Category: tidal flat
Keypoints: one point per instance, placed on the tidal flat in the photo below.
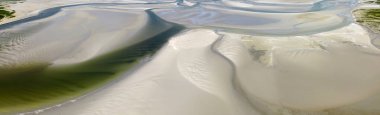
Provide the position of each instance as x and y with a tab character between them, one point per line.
36	84
34	89
191	57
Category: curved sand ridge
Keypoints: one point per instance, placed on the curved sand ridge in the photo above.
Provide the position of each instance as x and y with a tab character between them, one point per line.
207	73
306	72
72	35
66	52
185	77
201	72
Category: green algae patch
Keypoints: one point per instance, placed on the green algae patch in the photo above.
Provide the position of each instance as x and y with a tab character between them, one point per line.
369	18
5	12
37	89
372	2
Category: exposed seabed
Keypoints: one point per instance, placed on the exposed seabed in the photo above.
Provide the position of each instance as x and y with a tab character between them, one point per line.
214	58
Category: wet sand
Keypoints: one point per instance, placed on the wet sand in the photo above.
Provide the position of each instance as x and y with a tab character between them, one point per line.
283	57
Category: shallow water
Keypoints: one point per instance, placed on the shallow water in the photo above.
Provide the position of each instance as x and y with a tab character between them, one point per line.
255	18
250	57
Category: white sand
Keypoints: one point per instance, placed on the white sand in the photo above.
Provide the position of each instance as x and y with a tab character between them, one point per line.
73	36
317	72
187	77
333	72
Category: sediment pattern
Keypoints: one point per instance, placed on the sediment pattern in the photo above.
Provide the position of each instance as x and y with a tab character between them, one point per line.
241	57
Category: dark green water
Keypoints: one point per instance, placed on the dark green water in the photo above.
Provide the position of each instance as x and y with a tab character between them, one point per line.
372	1
369	18
39	88
5	13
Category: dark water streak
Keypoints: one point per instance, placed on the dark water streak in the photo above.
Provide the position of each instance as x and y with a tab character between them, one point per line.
46	87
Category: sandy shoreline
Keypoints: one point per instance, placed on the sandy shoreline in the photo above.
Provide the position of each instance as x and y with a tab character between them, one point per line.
291	63
212	79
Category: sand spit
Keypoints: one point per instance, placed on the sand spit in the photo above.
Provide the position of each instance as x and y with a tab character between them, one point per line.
202	72
66	52
256	57
186	77
75	33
